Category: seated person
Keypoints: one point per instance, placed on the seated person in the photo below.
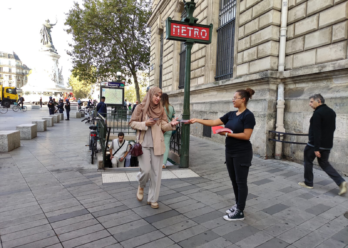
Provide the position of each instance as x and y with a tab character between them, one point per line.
118	151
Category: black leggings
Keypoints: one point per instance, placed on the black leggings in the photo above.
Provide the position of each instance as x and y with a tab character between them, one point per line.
238	169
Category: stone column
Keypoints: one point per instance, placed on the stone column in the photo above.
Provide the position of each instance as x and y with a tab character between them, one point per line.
280	120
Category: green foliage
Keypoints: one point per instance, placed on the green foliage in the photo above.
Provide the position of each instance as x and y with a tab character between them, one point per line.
110	35
130	94
81	88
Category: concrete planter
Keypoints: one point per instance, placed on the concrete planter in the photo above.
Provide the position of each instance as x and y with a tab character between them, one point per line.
27	131
9	140
41	125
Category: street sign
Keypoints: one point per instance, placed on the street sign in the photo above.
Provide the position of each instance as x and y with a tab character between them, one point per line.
116	84
182	31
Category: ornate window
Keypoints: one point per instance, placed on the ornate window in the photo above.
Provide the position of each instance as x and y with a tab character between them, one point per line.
161	62
182	58
225	45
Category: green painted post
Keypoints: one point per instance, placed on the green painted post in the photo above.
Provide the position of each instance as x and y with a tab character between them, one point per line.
185	131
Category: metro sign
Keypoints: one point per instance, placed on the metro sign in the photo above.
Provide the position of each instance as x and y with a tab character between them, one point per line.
182	31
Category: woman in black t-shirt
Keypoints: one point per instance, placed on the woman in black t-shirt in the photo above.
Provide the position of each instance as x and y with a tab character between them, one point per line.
239	151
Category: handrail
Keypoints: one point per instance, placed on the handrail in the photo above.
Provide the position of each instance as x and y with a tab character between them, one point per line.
279	134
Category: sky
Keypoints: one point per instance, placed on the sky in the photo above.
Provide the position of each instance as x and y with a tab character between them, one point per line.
21	21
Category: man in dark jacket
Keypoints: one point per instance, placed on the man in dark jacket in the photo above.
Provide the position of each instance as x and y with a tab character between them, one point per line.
321	133
67	108
61	106
51	106
136	103
101	107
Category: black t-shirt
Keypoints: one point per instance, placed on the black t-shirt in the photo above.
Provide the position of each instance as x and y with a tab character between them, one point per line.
237	124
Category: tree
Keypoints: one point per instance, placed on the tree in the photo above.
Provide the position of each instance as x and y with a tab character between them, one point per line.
130	95
81	88
110	35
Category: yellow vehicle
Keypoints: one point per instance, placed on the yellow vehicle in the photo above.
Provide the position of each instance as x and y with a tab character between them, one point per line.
8	95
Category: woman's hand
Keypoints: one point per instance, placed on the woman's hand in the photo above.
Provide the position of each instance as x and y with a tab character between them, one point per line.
223	133
150	122
193	120
174	122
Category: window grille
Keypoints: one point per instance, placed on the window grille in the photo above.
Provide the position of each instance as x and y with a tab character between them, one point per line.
182	58
225	46
161	62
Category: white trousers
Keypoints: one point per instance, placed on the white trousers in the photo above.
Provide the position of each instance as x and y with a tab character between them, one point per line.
116	162
150	169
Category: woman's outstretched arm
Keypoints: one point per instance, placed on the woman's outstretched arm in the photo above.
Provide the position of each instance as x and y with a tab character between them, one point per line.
210	123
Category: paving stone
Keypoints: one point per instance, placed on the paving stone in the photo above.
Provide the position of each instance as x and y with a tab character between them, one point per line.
146	211
275	209
187	233
43	243
261	182
228	227
105	207
251	196
186	188
199	212
67	215
143	239
101	243
26	232
240	234
191	207
169	221
254	240
306	196
28	239
85	239
78	184
160	243
332	243
80	232
109	211
294	234
207	217
324	182
225	192
199	239
136	232
175	200
288	174
71	221
274	243
161	216
76	226
178	227
318	209
216	243
24	226
341	236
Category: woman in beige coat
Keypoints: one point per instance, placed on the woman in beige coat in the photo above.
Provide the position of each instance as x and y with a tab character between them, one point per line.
150	121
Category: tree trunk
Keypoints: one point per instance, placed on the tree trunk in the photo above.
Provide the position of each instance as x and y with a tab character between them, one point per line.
136	84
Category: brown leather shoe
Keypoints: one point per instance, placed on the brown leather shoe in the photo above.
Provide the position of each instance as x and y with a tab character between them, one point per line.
140	194
154	205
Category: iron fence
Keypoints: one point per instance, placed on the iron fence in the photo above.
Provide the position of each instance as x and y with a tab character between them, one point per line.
118	121
175	140
278	136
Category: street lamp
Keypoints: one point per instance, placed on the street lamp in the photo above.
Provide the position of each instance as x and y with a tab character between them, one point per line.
119	74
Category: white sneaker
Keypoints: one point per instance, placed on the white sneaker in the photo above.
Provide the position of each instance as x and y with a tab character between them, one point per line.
232	209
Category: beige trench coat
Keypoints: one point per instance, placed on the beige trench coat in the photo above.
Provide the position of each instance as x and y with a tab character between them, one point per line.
157	134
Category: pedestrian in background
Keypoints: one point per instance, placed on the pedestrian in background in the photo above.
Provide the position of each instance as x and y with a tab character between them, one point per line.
239	152
321	133
136	103
61	106
101	107
170	112
67	108
150	121
50	106
41	102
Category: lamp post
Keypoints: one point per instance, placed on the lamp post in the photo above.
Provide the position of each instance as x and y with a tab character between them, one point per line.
119	74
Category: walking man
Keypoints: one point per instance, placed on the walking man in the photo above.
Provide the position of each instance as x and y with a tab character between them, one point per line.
101	107
321	132
67	108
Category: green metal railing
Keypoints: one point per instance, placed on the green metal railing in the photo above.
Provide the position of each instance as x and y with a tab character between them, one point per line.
118	120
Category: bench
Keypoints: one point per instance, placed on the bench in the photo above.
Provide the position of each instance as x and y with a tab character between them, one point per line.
9	140
41	125
49	121
78	115
27	131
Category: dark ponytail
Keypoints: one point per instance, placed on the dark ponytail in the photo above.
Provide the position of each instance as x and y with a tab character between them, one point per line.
247	94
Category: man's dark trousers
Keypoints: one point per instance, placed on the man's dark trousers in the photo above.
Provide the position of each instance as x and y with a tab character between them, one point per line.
51	111
323	161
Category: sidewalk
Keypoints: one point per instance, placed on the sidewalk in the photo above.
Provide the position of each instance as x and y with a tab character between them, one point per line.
50	196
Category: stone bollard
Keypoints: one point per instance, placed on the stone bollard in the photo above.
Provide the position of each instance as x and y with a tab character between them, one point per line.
9	140
55	118
61	116
78	114
49	121
41	125
27	131
58	117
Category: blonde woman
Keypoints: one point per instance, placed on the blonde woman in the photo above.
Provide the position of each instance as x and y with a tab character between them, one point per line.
150	121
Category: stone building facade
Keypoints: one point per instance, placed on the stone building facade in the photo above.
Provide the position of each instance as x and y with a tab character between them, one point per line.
284	62
12	71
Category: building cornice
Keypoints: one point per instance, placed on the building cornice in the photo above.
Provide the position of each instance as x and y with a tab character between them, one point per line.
157	11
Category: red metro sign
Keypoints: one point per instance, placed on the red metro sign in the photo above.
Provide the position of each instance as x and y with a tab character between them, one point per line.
181	31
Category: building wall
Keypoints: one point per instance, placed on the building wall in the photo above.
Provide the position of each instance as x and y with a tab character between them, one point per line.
13	72
316	62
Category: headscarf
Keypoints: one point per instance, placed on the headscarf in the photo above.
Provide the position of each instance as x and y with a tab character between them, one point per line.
147	107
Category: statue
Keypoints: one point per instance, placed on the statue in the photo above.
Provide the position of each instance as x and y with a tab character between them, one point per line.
46	38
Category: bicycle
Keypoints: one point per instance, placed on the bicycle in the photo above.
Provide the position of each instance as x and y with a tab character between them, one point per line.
93	137
3	110
16	107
